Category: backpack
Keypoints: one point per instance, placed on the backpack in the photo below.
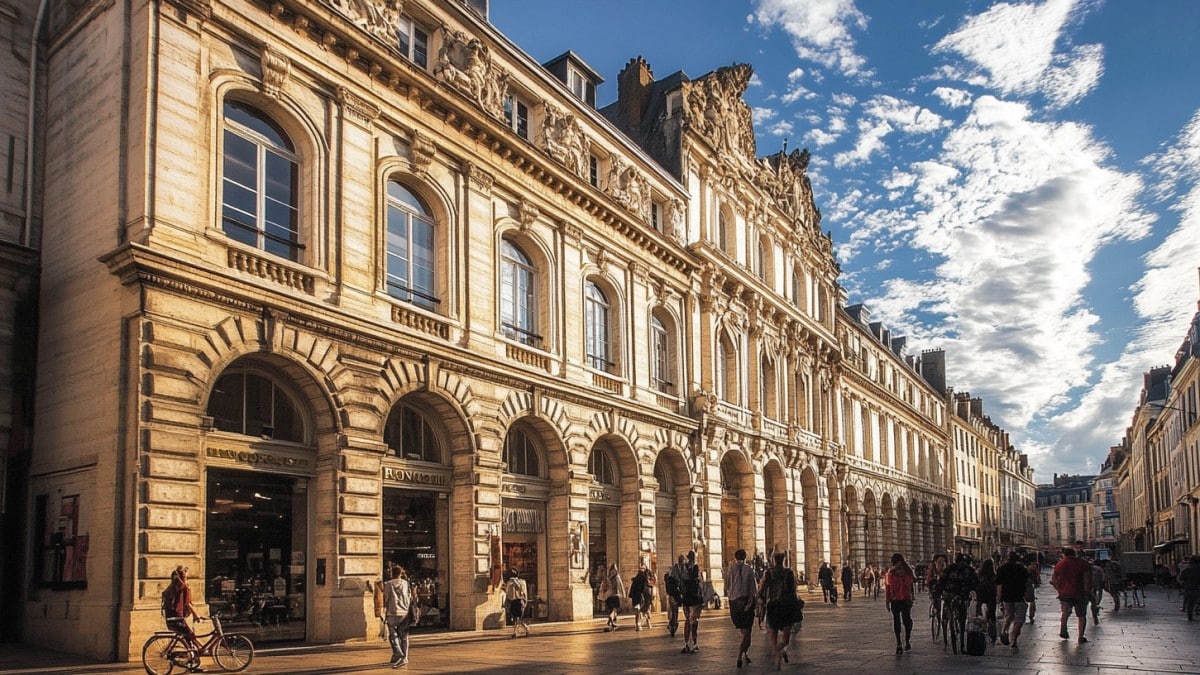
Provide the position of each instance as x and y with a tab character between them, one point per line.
673	588
777	586
691	584
170	597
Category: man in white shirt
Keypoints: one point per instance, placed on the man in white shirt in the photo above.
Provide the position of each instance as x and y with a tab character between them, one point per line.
399	601
741	589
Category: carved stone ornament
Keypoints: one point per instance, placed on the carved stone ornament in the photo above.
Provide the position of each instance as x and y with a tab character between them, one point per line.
275	70
377	17
357	108
629	188
423	150
714	108
783	178
480	179
527	212
466	64
564	140
675	220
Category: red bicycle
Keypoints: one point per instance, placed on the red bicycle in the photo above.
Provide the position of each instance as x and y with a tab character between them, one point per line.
167	650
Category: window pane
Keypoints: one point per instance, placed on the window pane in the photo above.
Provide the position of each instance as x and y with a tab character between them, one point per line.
287	421
258	404
225	403
240	161
257	122
420	54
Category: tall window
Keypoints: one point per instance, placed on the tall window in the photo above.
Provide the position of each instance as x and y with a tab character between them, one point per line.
761	263
767	395
594	170
516	114
260	183
414	41
597	314
601	466
724	231
246	402
410	435
518	295
410	248
799	298
661	369
656	215
521	454
727	369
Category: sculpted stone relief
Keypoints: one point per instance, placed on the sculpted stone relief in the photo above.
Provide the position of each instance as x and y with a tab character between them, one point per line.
466	64
713	106
564	140
377	17
783	177
629	188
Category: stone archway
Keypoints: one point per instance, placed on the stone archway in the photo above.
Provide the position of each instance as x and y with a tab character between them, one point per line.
814	549
739	522
778	531
672	512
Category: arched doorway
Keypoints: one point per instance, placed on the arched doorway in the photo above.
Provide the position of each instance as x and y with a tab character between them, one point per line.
777	514
737	506
814	550
525	496
871	530
672	514
260	456
613	513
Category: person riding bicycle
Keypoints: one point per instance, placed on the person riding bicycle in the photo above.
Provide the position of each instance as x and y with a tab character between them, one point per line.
177	607
958	581
934	578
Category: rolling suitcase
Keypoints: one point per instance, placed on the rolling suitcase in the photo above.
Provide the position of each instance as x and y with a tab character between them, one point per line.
977	635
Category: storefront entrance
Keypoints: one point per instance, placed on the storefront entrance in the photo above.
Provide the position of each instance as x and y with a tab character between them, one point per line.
255	553
603	540
416	537
523	549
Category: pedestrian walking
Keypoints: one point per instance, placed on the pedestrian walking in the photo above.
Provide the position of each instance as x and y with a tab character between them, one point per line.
1072	579
612	589
985	596
867	581
1035	580
899	581
639	595
692	601
401	605
1189	582
778	593
516	599
847	580
741	589
1096	596
1012	580
674	584
1114	582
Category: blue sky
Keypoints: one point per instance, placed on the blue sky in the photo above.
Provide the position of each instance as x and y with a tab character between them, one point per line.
1017	183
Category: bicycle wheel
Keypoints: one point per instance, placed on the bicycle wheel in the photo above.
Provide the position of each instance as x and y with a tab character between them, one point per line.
234	653
156	653
935	622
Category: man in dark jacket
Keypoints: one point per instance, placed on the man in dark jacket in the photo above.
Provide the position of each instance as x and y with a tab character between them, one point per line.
1189	580
847	580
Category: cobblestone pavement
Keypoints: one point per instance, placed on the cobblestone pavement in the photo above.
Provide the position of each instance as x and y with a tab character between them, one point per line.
854	637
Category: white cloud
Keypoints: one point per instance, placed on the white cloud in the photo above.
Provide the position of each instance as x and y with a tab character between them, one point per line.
760	115
845	100
1016	211
780	128
819	138
953	98
795	93
870	142
755	81
882	115
795	74
819	30
1011	48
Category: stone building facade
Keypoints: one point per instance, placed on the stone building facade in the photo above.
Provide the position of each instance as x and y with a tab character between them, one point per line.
334	285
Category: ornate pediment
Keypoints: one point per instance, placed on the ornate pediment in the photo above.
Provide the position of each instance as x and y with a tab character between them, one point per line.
714	109
465	63
783	177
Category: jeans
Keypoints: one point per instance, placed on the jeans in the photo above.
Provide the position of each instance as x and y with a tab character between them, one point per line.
1189	602
902	614
398	636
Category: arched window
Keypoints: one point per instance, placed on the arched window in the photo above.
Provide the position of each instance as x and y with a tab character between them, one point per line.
764	264
662	363
727	370
260	183
250	403
725	231
767	395
663	476
518	295
602	468
799	297
521	453
409	435
411	247
597	315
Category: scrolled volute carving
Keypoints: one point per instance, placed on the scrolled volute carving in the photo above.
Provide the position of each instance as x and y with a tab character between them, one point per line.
783	177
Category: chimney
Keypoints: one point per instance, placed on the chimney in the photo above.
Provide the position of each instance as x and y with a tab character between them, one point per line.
633	90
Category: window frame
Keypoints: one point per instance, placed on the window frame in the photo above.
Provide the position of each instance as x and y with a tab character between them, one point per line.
521	326
661	355
411	293
279	391
516	114
598	328
415	35
428	433
530	448
265	148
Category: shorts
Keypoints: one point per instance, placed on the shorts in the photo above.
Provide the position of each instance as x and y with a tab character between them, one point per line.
516	608
1080	605
1016	612
741	612
780	615
612	602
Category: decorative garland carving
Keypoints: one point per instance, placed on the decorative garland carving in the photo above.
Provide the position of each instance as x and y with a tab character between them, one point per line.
480	179
357	108
466	64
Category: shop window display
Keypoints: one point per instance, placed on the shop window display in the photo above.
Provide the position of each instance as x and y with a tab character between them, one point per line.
414	535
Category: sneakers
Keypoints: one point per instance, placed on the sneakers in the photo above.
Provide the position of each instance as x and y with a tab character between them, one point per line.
689	649
1082	640
1004	639
899	649
399	664
1064	634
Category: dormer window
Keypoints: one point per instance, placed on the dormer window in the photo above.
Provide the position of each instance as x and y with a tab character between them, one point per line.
581	86
414	41
674	102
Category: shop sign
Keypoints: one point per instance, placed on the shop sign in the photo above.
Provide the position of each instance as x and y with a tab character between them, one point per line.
415	477
255	458
602	495
522	521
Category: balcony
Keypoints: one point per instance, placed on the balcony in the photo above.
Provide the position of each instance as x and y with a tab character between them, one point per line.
265	267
